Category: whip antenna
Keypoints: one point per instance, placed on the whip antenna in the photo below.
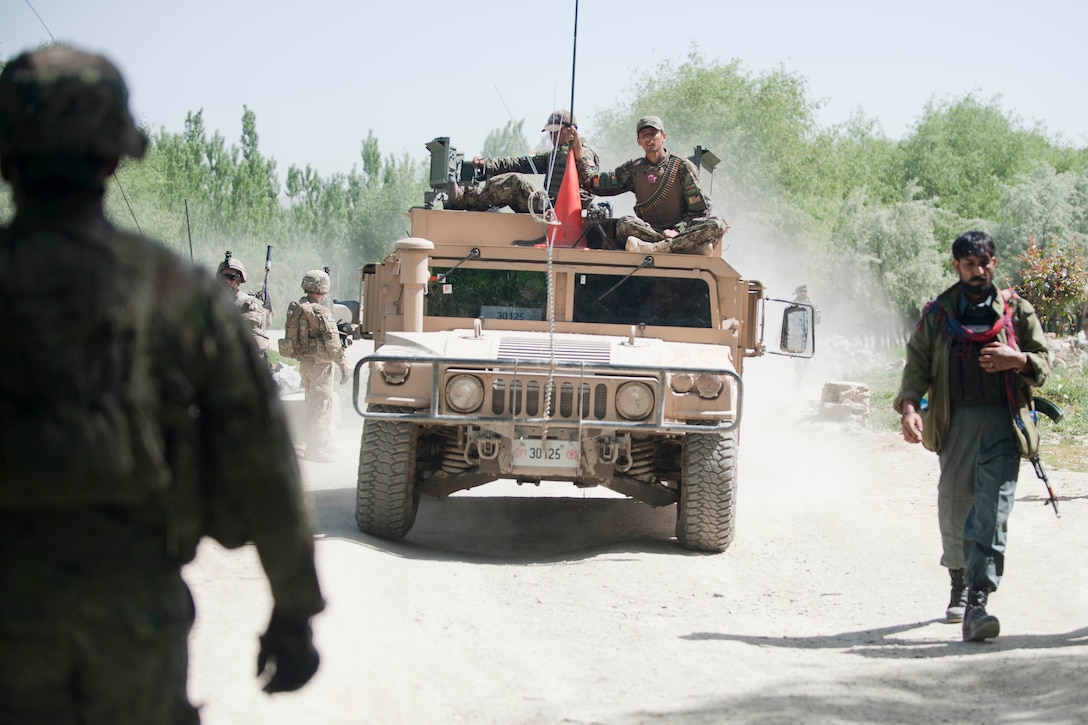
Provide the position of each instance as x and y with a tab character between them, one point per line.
189	229
574	59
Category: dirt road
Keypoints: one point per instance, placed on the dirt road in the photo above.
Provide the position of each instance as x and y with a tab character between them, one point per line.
541	605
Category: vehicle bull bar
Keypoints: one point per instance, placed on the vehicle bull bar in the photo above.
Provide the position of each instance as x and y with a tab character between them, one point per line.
584	370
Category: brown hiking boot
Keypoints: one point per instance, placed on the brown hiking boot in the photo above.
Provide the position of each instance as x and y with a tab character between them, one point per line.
634	244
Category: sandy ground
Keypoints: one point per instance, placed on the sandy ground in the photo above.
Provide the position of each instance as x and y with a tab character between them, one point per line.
550	605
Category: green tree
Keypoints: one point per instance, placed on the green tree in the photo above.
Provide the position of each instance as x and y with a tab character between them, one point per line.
962	151
888	261
759	124
254	187
1042	204
1053	279
506	141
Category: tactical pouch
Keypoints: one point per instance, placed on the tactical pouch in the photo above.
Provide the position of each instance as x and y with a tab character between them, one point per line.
287	348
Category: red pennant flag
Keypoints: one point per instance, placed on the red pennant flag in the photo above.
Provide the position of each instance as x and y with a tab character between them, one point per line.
568	207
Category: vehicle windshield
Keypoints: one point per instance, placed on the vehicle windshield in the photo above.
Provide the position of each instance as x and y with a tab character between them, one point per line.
665	301
503	294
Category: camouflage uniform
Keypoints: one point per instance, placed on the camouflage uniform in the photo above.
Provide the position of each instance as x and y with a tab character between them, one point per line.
507	185
311	329
681	206
253	310
253	313
94	614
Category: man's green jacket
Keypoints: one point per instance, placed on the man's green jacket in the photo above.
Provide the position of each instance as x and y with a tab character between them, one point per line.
926	370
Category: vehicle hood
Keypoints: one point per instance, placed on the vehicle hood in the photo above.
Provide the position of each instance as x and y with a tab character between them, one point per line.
568	348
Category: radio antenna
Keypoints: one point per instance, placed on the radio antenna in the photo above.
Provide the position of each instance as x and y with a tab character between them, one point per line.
574	60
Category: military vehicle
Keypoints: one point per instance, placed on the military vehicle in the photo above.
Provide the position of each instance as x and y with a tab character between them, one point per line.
499	357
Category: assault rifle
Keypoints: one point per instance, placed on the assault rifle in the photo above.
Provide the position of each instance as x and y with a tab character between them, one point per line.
1044	406
263	295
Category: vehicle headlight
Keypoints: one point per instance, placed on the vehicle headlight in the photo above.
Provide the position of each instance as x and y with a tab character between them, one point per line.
708	385
464	393
682	382
634	401
394	372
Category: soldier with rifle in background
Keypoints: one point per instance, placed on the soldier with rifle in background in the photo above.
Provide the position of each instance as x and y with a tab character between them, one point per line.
232	274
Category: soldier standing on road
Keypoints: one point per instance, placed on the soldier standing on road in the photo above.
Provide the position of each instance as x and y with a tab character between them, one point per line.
977	352
506	183
801	363
673	212
133	424
232	273
311	337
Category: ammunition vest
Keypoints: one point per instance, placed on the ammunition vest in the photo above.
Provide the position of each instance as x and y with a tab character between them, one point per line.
660	201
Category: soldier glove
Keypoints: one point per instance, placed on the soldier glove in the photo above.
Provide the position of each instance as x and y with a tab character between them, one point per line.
288	653
345	376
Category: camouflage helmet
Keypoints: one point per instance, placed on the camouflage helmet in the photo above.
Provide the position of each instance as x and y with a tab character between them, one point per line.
59	99
316	281
232	262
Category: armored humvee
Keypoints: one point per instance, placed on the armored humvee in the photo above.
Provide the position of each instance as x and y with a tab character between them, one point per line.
497	357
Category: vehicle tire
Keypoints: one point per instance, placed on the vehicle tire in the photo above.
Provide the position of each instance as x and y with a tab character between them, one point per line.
706	509
386	499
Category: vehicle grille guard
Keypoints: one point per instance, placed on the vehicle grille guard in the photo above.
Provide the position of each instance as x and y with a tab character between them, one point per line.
515	367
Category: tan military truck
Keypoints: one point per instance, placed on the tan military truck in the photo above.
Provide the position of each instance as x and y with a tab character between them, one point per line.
499	358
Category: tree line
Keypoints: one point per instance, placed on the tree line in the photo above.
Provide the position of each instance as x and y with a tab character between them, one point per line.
866	219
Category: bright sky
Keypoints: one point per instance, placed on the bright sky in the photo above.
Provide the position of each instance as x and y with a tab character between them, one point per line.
320	73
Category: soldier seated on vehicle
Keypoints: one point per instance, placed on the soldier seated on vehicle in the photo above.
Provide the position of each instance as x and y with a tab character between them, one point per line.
507	184
673	213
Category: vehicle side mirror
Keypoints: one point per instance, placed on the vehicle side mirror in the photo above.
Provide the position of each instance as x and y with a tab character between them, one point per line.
795	329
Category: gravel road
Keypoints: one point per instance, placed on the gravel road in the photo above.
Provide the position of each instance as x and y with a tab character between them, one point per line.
553	605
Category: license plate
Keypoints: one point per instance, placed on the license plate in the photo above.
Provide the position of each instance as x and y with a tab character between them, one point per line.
529	453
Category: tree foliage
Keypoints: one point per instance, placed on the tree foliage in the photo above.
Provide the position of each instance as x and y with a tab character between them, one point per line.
961	152
866	219
1054	280
506	141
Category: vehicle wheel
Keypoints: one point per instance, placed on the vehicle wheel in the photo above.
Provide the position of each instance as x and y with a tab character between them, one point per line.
706	509
386	498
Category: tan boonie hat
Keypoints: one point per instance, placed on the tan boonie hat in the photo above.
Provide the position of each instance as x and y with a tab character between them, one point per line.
649	122
558	120
59	99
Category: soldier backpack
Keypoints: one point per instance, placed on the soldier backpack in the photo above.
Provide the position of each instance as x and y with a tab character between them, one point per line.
290	346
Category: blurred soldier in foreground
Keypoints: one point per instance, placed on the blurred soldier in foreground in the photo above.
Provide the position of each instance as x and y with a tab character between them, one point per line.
506	183
977	352
130	429
310	336
232	273
673	212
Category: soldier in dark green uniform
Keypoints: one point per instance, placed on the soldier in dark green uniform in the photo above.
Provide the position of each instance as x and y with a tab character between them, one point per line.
507	184
135	419
673	212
